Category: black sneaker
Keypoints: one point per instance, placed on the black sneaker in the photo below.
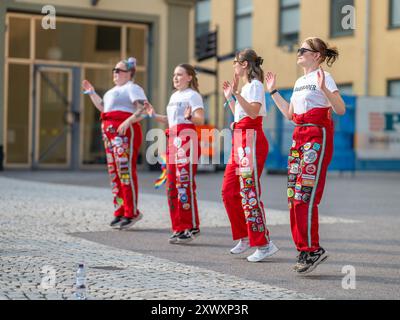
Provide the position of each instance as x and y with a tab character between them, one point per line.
174	237
300	260
115	223
129	222
195	232
185	237
312	260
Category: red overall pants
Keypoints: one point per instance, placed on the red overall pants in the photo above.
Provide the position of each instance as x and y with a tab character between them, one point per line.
183	150
309	157
241	192
122	152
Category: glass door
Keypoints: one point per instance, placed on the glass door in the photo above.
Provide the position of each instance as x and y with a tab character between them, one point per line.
53	117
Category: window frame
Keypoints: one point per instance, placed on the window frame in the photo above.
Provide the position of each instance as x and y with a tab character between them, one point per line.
391	25
388	86
281	41
196	23
236	18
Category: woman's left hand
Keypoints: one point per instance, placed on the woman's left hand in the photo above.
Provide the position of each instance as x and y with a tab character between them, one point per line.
188	112
321	79
124	126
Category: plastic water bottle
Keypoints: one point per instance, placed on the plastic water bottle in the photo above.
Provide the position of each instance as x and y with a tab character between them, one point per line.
80	285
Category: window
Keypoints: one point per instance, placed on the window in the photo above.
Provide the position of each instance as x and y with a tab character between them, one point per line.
289	22
18	134
78	42
346	89
19	41
342	18
108	38
203	15
394	14
394	88
243	24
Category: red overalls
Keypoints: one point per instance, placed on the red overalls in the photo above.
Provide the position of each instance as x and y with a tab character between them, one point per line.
309	157
122	152
241	190
183	150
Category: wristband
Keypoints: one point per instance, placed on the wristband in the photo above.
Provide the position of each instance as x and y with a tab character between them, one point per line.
273	92
89	92
229	101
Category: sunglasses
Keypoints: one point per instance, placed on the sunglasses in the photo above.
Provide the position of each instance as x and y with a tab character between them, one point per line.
117	70
301	51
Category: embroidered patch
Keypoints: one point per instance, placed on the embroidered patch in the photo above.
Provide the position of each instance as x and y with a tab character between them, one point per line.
253	202
307	146
294	168
177	142
248	183
244	162
310	156
308	183
117	141
298	196
306	197
317	146
311	169
183	198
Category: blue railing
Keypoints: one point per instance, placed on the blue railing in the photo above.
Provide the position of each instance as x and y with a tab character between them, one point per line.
280	137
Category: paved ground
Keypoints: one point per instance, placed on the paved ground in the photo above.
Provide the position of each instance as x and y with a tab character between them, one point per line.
359	227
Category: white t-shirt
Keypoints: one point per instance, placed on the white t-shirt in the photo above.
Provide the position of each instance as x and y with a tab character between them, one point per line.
307	94
122	98
251	92
177	104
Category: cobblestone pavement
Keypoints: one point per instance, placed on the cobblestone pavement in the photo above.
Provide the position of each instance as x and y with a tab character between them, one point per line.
36	220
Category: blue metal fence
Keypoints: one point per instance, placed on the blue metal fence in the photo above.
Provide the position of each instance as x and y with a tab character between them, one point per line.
280	137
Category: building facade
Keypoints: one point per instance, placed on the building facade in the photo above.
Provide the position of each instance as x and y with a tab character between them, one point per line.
45	121
366	32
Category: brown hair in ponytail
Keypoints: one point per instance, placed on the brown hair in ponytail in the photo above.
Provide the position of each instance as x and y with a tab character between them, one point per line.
254	70
194	83
328	54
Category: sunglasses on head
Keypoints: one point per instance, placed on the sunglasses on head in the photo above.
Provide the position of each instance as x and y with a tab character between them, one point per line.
118	70
301	51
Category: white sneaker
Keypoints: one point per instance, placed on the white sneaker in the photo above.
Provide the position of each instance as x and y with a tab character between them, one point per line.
263	252
241	247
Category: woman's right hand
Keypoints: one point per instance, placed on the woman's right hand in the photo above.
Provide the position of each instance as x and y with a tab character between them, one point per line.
228	89
270	79
149	109
87	86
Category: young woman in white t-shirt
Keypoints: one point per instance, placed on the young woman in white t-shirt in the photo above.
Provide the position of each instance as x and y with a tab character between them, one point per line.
121	110
241	192
185	110
315	96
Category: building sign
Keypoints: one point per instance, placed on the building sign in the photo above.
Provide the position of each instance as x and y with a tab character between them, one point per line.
378	128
